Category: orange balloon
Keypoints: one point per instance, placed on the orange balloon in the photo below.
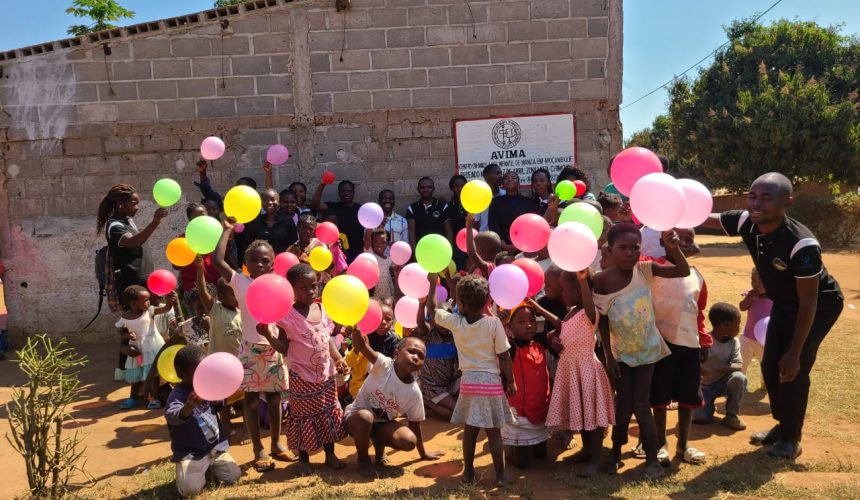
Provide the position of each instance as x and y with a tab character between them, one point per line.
179	253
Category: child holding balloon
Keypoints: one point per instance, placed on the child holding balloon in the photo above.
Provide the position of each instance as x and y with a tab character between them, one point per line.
757	306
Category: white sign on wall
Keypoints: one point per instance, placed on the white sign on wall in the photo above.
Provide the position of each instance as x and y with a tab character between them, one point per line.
518	143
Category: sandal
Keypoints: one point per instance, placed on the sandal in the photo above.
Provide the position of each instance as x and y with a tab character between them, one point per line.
154	405
663	457
128	404
639	452
264	465
283	456
693	456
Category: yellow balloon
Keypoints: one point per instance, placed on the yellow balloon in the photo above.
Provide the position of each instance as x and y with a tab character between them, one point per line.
320	258
476	196
345	299
242	203
398	329
166	370
179	253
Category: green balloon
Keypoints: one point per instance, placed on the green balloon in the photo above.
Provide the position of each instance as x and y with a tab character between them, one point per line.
433	253
565	190
203	233
583	213
166	192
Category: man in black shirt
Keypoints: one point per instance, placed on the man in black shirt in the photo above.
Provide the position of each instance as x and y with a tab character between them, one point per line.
346	212
428	215
806	302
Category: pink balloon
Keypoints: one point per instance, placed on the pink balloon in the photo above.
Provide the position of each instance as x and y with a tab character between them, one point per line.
760	330
534	273
370	215
441	294
161	282
698	204
277	154
413	281
530	232
406	311
572	246
367	255
372	318
218	376
212	148
632	164
327	232
283	262
238	228
365	270
461	239
508	286
269	298
658	201
400	252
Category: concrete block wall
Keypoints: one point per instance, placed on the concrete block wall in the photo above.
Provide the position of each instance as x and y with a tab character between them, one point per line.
370	93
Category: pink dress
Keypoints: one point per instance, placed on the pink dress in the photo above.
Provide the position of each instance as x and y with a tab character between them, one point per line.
582	397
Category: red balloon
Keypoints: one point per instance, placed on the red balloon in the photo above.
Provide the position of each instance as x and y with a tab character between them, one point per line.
327	232
269	298
283	262
161	282
530	232
328	177
372	318
461	238
366	270
533	272
580	188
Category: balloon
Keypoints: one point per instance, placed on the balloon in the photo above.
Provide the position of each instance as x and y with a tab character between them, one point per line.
269	298
760	330
372	318
277	154
398	329
530	232
370	215
179	253
327	232
161	282
572	246
452	269
166	192
365	270
212	148
631	165
534	273
508	285
413	281
283	262
203	233
242	203
320	258
406	311
658	201
580	187
328	178
369	256
218	376
433	252
238	228
441	294
245	270
583	213
345	299
476	196
698	203
460	240
400	252
565	190
166	368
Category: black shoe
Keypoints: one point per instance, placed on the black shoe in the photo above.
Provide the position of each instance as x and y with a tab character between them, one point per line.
788	450
762	438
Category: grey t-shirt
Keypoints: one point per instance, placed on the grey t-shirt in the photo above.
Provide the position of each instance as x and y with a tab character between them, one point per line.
720	355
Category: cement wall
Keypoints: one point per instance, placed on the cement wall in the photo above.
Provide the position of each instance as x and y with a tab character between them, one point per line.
369	93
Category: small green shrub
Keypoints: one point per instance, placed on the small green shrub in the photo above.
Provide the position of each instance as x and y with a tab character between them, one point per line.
833	219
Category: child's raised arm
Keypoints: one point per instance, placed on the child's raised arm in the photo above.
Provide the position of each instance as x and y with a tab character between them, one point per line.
218	261
587	298
471	248
431	298
267	172
421	328
680	268
202	289
359	343
551	318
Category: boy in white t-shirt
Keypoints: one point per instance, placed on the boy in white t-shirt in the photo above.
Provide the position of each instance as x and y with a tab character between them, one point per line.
389	391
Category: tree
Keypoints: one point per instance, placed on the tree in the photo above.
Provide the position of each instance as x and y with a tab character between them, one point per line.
658	138
100	12
224	3
780	98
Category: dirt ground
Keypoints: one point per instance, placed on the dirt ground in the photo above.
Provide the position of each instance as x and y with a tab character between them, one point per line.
127	451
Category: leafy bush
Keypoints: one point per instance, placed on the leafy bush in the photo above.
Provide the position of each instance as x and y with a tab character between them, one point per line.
833	219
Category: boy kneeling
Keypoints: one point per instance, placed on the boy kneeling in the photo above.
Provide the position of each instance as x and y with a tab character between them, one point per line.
197	440
722	373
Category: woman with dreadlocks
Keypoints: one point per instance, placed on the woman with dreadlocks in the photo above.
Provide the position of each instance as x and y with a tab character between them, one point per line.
128	256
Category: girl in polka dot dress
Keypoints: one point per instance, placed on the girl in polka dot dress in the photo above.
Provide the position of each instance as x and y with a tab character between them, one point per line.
581	398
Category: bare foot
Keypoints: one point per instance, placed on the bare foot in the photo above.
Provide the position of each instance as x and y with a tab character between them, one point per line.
468	477
304	468
589	470
334	462
382	459
366	468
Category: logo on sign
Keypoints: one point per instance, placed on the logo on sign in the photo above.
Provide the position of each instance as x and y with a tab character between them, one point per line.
507	134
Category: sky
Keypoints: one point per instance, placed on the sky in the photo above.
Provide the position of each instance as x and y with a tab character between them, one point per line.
662	38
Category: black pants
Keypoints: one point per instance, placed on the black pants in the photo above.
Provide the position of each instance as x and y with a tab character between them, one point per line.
788	401
633	393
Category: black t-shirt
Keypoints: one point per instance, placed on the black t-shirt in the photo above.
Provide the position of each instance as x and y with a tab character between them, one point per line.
504	209
280	235
131	266
781	257
347	223
429	219
457	214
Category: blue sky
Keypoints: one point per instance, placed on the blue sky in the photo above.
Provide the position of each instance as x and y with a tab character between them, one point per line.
661	37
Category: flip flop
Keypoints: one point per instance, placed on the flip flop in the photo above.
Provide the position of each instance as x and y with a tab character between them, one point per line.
263	465
283	456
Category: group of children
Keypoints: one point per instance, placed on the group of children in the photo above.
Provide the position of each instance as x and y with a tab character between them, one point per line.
594	348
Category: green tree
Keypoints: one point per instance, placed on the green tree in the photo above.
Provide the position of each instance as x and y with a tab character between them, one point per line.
101	12
780	98
224	3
